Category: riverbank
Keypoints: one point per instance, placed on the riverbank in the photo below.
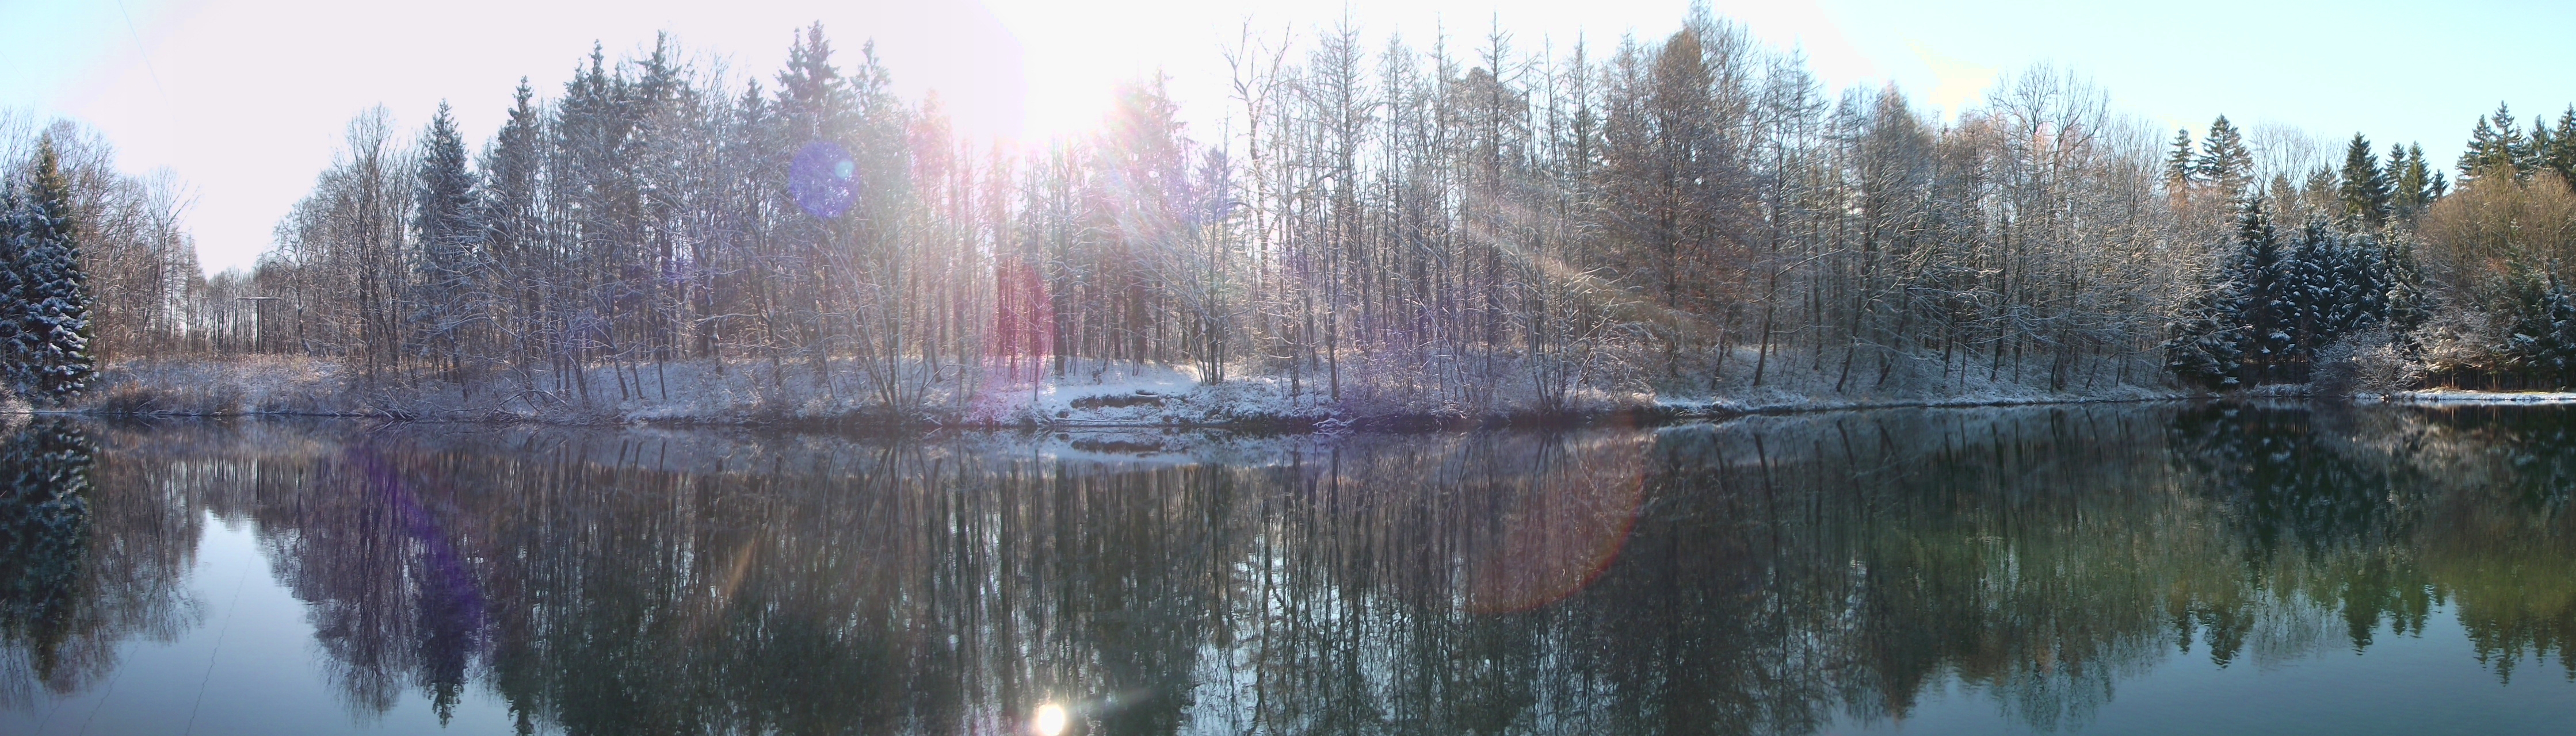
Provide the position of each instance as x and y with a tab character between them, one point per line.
2453	397
1089	395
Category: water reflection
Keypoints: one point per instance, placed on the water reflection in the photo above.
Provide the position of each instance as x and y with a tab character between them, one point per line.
1771	575
80	571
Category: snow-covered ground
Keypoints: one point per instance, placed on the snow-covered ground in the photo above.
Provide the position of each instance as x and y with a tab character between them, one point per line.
1798	382
1095	396
2449	397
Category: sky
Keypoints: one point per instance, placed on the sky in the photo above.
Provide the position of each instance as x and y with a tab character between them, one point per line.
246	100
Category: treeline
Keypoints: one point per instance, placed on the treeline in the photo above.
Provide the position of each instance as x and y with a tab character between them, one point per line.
1682	215
93	264
1476	224
2395	280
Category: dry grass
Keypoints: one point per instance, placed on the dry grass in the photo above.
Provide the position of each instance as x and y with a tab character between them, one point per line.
248	385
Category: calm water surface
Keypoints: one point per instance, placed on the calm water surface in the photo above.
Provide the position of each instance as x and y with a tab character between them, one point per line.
2128	570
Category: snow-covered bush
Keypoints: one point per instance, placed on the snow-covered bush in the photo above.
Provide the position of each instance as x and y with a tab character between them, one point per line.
2364	363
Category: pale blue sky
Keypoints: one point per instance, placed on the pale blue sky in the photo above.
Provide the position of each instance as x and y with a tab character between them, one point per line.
246	98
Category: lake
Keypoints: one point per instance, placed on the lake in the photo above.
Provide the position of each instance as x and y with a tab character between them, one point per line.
2138	569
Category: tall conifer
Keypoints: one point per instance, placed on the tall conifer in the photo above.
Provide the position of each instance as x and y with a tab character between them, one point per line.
2494	146
2178	165
448	224
2224	159
46	305
2364	189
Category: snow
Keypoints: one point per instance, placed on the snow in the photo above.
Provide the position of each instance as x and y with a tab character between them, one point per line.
1104	409
2445	397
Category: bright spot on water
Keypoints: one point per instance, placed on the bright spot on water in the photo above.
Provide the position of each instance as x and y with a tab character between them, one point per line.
1049	721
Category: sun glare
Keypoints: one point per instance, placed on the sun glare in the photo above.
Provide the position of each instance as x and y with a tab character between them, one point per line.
1050	720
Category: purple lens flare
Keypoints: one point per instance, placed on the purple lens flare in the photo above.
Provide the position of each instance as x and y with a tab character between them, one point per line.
824	180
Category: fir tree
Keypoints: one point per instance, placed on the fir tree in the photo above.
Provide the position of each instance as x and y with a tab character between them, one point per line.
2230	333
2206	346
2277	303
2178	165
448	223
45	528
45	304
2540	328
2560	155
2411	183
16	219
2364	190
2536	147
2224	160
2403	304
2494	146
509	215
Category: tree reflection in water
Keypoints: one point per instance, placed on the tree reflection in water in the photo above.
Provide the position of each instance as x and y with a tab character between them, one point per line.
81	571
1768	575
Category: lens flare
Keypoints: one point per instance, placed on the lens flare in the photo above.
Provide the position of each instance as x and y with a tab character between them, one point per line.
824	180
1050	720
1562	531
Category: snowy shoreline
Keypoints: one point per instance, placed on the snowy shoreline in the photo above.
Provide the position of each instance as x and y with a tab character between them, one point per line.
2449	397
1092	397
1089	397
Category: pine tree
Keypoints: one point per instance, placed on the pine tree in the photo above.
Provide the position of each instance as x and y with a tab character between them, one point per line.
2536	147
2224	159
2178	166
45	530
2411	185
2403	303
513	228
2344	293
448	223
2206	346
46	305
2560	155
2494	146
2234	332
2540	328
2364	190
2277	303
16	219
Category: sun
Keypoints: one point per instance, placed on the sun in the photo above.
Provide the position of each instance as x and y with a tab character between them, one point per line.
1050	720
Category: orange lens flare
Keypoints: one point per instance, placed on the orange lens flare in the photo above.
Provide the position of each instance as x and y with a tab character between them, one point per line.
1563	533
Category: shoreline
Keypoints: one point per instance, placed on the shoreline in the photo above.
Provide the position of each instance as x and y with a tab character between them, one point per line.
1658	415
1100	397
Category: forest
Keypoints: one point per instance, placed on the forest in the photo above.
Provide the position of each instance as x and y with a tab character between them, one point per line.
1483	226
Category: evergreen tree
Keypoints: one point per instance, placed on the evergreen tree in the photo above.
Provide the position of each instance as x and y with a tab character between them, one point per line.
2494	146
44	295
2364	191
2560	155
2178	165
2411	183
2536	147
2206	346
16	219
2311	299
2276	303
2230	333
2404	303
45	529
448	223
2224	159
2540	328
